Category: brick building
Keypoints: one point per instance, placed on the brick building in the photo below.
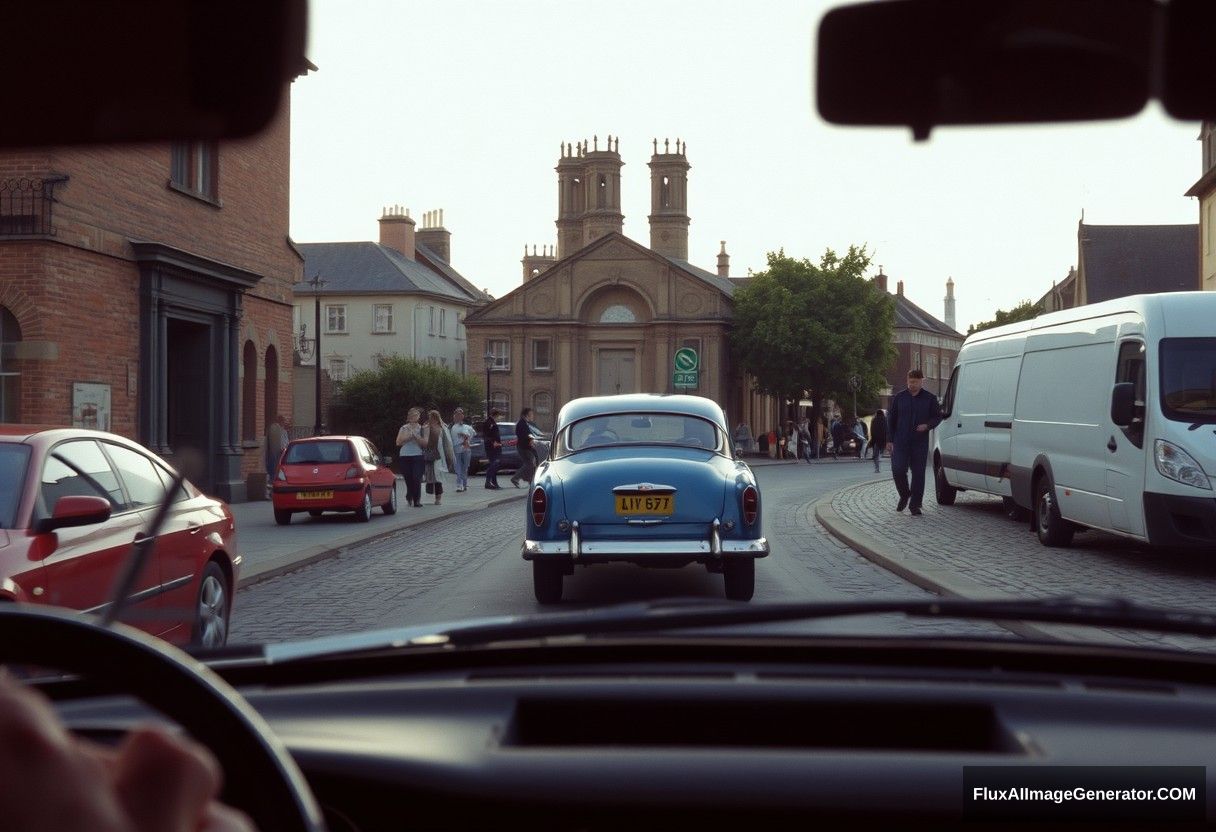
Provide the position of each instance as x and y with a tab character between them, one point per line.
146	289
921	342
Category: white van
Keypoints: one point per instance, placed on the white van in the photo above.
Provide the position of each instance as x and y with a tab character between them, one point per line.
1100	417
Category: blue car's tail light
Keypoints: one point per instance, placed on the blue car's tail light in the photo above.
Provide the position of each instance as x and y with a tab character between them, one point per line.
751	504
539	505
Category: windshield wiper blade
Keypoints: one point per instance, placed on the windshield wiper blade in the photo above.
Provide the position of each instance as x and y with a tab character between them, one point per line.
684	614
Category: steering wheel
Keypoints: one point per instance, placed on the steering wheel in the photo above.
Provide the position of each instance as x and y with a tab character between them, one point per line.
270	787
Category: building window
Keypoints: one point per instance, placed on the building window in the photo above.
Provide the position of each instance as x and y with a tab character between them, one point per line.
335	318
194	167
459	326
542	404
930	365
542	359
501	350
270	386
618	314
338	369
10	378
382	317
502	400
945	367
431	330
249	393
915	359
443	323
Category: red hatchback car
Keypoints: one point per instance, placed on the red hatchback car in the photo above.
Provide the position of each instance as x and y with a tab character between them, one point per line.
332	473
66	530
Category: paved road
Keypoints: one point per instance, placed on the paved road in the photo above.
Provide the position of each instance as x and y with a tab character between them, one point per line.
470	566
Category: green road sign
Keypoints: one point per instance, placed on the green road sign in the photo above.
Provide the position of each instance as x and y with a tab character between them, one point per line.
684	379
686	360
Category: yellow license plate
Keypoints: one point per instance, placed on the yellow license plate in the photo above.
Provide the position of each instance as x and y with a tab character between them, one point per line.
316	495
647	504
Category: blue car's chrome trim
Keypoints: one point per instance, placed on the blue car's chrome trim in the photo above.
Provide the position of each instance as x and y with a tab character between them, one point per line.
643	522
546	547
760	544
645	547
715	539
644	488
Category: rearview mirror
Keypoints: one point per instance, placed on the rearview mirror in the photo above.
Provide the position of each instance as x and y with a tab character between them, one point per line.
146	70
75	511
923	63
1123	404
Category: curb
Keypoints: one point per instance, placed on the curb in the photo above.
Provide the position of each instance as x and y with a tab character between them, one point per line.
328	550
929	576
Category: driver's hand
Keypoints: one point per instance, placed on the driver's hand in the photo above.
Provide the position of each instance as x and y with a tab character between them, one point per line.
154	782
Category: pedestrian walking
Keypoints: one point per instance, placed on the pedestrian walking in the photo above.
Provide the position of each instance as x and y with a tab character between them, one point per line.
409	440
859	431
462	437
437	453
878	436
277	438
493	443
914	412
525	449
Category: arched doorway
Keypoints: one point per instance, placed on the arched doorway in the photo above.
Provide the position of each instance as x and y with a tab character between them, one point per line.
271	388
249	393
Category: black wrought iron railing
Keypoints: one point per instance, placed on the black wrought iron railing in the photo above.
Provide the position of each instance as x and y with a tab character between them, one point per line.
27	205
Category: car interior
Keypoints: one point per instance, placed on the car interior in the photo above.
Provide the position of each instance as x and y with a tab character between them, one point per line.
668	726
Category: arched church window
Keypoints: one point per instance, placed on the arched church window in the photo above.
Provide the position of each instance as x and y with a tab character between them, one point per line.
601	195
618	314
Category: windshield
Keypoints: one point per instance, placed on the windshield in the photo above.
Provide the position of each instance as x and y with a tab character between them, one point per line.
1188	379
466	209
13	461
640	429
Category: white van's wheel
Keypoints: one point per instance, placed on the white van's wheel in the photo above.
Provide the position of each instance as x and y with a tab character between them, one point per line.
943	490
1052	529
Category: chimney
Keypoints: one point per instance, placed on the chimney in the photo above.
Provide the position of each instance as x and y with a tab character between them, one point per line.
881	280
950	320
397	230
723	262
434	236
899	288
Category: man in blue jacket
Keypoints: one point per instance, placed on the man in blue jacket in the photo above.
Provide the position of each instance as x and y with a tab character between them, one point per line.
913	413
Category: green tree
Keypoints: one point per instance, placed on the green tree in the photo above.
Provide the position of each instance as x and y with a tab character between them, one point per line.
1024	311
373	403
801	326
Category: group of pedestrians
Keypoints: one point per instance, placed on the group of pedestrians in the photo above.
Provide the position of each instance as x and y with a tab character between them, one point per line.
429	450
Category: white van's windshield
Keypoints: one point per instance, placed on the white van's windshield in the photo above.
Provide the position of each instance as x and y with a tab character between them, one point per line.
1188	379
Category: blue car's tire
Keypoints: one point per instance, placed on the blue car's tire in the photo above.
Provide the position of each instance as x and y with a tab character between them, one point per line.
739	577
547	581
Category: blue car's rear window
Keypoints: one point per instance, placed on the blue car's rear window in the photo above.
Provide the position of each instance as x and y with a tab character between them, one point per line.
642	428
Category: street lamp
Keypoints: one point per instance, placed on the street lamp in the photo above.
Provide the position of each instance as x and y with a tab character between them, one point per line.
310	347
489	357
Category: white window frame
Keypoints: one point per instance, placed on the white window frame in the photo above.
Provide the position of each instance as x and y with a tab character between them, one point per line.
376	309
443	322
502	358
431	330
339	368
333	310
548	365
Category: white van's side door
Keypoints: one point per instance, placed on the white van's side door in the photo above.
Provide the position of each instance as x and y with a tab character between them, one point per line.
965	467
1002	376
1126	457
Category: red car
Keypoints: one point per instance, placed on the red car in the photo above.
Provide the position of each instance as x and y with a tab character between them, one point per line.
66	531
332	473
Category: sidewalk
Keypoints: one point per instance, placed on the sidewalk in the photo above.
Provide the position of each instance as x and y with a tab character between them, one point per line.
270	549
973	550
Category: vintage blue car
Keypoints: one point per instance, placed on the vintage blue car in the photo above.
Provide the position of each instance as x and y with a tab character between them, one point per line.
645	479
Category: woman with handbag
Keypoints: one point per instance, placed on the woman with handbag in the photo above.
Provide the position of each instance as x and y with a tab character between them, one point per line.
409	440
437	453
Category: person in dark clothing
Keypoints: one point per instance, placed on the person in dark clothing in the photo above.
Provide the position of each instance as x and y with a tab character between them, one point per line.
493	441
878	436
523	444
914	412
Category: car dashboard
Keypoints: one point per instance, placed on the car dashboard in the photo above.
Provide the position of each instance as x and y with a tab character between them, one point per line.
671	733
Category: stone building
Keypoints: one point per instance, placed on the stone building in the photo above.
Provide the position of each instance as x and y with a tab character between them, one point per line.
602	313
921	342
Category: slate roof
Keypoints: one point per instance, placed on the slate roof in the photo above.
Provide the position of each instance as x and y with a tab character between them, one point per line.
910	316
1116	261
723	283
441	265
370	268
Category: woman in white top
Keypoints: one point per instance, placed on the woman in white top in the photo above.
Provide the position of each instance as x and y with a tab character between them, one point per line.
437	453
462	435
409	440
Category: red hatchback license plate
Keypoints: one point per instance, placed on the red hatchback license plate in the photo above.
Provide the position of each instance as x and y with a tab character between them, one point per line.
315	495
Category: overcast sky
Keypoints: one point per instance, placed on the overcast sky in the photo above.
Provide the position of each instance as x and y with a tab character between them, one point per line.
463	106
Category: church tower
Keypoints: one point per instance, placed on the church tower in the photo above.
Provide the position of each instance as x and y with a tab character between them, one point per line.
950	316
571	199
669	200
603	190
